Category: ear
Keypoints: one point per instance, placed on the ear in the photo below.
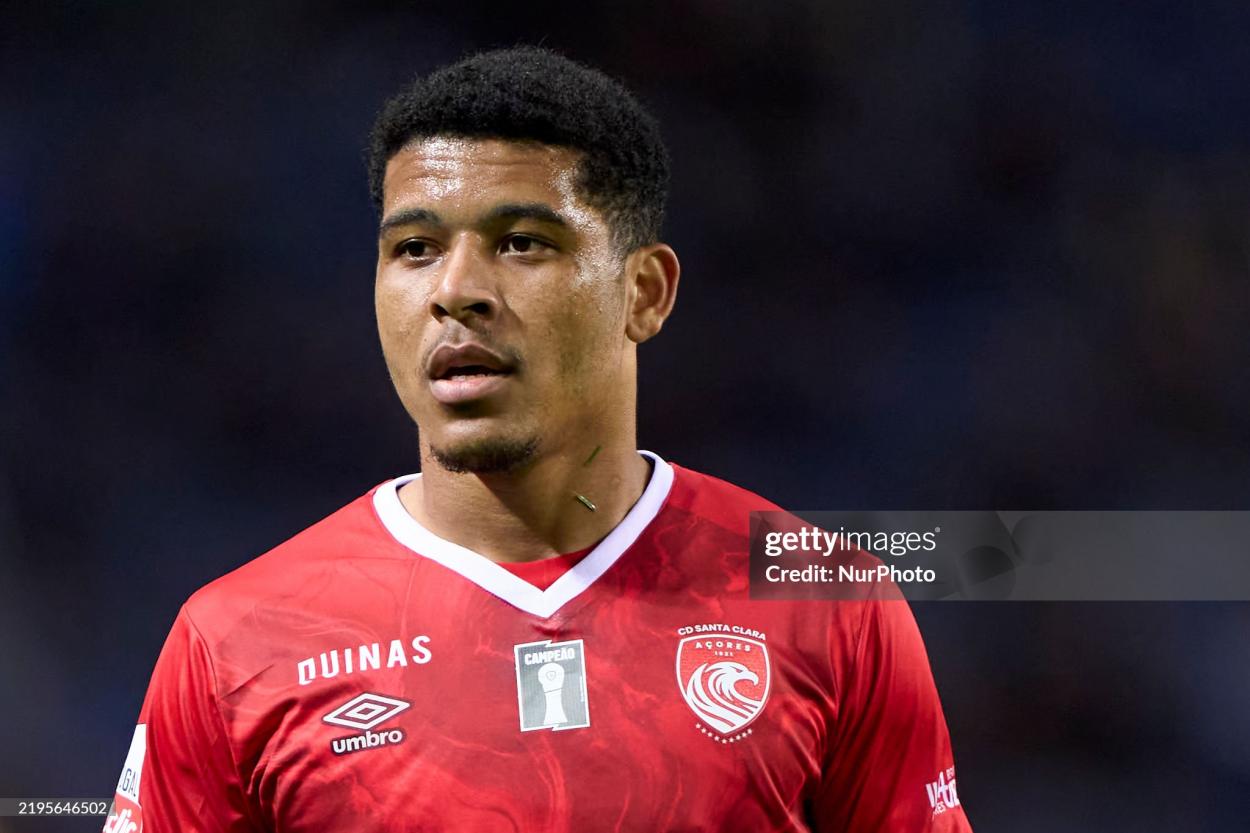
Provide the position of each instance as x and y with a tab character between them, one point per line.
652	272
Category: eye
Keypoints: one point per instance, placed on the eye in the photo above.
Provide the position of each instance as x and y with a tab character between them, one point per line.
523	244
414	249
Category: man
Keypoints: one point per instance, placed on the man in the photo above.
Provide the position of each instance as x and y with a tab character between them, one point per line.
546	629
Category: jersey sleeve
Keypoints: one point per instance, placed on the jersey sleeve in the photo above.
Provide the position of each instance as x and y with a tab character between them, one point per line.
179	775
890	767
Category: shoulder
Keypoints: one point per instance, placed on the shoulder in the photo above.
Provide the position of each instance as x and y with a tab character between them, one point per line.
716	500
727	513
293	568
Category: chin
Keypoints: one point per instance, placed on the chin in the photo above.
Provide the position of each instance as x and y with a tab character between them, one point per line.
490	455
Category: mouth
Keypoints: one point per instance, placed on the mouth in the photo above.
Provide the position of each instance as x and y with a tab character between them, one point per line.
467	372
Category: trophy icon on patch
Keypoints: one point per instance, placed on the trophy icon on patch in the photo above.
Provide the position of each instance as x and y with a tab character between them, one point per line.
551	678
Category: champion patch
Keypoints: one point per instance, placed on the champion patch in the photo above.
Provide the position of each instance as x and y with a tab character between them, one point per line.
551	685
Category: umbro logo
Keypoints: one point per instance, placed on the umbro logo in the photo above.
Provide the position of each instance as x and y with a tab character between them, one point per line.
364	712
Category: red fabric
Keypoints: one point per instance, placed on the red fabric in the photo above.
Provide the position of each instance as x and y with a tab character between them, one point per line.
543	573
850	736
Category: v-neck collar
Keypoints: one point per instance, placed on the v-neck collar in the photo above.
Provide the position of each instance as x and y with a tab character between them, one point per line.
496	580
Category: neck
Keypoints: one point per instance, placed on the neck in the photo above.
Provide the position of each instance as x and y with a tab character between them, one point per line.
542	510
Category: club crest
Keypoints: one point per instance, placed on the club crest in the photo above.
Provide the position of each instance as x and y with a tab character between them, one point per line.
724	678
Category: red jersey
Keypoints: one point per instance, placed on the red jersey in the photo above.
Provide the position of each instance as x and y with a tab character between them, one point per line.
367	675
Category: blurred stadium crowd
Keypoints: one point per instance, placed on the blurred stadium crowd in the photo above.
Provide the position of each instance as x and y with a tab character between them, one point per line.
936	255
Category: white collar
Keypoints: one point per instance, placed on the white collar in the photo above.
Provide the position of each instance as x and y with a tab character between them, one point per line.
499	581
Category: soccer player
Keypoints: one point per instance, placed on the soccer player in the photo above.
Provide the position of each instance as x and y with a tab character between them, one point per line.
546	629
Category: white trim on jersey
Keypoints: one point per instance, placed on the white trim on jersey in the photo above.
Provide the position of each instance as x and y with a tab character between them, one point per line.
497	580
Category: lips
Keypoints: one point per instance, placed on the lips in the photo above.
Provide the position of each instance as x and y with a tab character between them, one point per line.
466	372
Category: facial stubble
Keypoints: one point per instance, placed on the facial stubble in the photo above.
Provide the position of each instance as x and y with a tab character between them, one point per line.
493	455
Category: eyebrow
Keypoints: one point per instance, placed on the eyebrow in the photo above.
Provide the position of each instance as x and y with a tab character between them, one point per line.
526	211
408	216
508	211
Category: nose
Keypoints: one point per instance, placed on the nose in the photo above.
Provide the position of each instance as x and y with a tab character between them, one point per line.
466	285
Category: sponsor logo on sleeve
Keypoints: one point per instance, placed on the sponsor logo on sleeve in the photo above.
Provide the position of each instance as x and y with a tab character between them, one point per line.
551	685
942	795
125	814
724	675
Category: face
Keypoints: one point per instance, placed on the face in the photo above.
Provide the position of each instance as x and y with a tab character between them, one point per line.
501	302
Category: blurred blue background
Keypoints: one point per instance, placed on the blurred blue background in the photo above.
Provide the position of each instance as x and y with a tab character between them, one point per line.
985	255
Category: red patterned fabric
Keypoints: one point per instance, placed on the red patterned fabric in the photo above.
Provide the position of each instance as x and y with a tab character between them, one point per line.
705	710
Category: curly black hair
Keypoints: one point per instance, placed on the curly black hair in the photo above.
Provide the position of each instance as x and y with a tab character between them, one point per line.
530	93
